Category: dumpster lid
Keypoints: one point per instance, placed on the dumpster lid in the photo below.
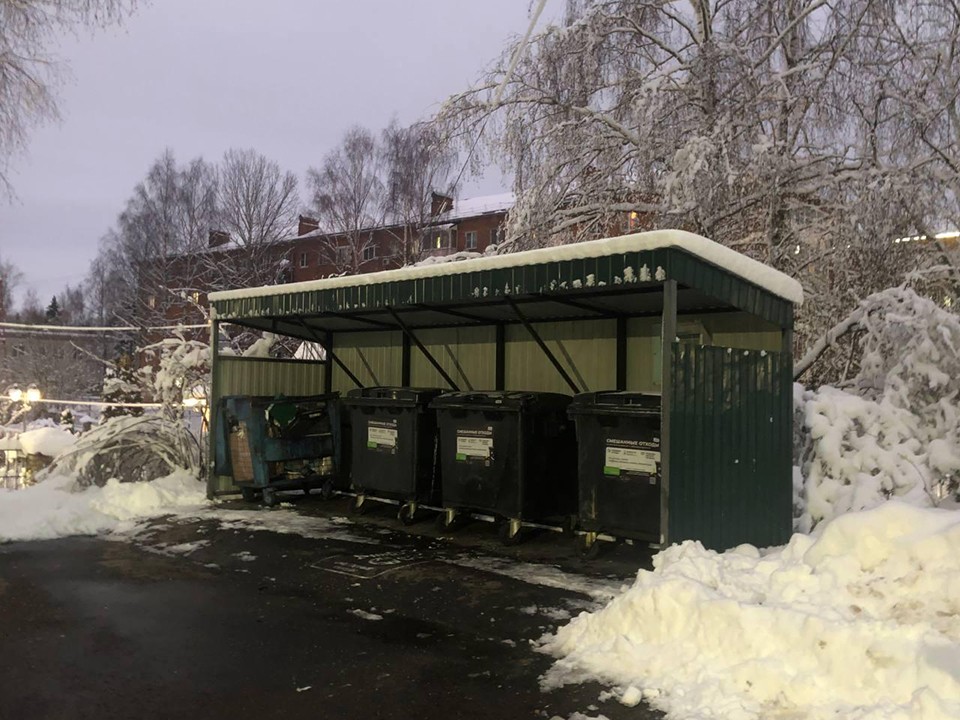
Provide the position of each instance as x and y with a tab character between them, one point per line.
616	401
392	395
512	399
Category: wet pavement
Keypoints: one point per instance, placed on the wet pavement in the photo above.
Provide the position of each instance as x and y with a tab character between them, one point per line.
212	618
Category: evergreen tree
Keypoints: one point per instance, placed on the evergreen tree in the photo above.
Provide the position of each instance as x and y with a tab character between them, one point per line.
53	309
121	385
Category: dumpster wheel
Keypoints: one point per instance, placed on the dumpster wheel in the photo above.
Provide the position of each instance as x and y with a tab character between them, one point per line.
407	513
510	531
359	506
449	520
326	490
590	547
270	496
249	494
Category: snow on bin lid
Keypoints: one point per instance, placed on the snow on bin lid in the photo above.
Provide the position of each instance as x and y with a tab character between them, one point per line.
616	402
390	395
505	399
733	262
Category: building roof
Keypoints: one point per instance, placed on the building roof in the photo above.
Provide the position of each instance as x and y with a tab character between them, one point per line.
464	208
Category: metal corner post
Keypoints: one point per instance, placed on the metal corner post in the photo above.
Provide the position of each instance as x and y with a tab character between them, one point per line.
212	403
668	334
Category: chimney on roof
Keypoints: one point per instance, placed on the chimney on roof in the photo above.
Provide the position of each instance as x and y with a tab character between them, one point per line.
307	225
440	203
218	238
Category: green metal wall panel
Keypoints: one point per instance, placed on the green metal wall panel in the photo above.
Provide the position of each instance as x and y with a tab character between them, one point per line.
374	357
260	376
467	354
585	348
730	429
643	354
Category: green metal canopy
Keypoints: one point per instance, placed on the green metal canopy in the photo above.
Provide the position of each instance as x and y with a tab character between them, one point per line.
606	278
665	312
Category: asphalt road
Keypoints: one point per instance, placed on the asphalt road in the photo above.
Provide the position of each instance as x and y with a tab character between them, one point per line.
209	619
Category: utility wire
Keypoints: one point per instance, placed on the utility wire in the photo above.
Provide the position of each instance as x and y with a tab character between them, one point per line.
91	329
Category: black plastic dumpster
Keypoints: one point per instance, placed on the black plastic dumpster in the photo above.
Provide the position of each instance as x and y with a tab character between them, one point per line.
618	436
510	454
394	447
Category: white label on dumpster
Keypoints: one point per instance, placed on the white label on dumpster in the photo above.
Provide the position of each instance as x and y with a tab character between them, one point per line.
631	456
381	434
474	444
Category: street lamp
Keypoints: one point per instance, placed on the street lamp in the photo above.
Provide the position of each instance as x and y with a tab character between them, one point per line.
32	395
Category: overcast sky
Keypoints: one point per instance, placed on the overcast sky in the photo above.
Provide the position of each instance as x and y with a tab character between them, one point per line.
286	78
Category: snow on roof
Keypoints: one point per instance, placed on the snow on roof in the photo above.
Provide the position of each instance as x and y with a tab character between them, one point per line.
481	205
750	270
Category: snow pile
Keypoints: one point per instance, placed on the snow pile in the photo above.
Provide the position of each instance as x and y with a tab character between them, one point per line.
59	507
897	432
863	621
49	441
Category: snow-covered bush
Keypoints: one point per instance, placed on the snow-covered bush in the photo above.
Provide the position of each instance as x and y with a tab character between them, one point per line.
130	449
894	430
183	371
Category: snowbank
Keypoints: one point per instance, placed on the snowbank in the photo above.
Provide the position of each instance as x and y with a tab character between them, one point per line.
860	622
56	507
47	441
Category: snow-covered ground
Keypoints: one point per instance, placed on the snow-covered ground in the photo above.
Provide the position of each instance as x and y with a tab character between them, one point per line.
861	620
57	507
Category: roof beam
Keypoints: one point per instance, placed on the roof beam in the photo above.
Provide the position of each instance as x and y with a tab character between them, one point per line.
426	353
543	346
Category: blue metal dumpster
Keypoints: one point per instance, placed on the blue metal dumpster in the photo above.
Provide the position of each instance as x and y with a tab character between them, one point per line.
268	444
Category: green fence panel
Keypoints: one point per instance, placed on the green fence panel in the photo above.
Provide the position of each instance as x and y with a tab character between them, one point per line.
730	447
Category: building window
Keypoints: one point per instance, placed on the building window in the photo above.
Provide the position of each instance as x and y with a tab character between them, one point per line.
470	240
344	254
195	296
152	301
303	260
439	238
369	252
494	236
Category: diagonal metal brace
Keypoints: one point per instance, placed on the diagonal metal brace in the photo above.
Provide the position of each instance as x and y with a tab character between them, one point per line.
329	351
426	353
543	346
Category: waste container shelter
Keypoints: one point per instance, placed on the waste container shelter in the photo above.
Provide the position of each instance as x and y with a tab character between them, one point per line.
664	312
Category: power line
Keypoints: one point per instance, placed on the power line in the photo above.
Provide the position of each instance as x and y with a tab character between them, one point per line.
91	329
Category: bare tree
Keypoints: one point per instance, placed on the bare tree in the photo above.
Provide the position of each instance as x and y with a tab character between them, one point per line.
416	162
161	238
782	128
347	194
28	70
257	207
10	278
258	201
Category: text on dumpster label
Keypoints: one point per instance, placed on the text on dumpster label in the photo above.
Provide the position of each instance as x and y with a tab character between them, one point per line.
474	444
624	457
382	434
